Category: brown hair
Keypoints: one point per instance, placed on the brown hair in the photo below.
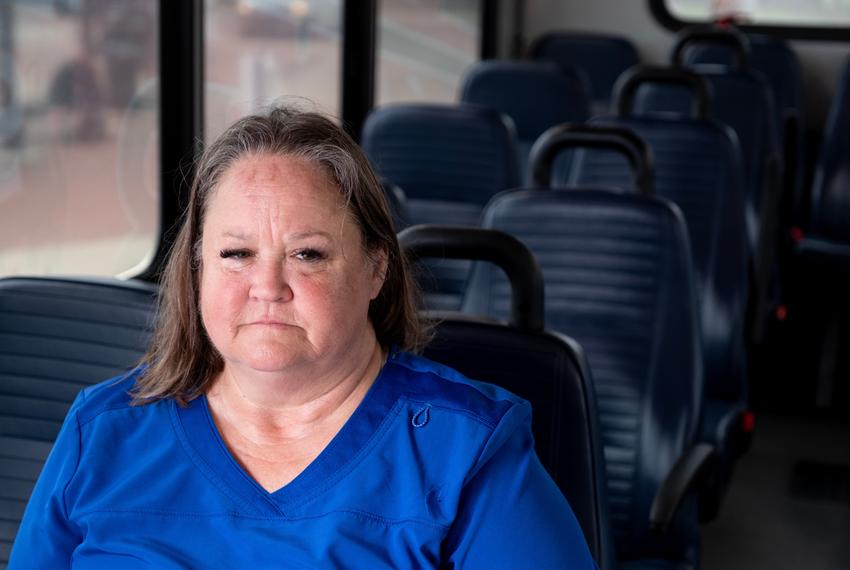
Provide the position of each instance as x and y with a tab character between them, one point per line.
181	360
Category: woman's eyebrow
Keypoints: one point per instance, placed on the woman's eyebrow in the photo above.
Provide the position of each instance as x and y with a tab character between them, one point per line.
310	233
235	235
293	236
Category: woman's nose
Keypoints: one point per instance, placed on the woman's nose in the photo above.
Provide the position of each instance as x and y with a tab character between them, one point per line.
270	282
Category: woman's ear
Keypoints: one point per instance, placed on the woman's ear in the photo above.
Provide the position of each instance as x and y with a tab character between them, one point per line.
380	265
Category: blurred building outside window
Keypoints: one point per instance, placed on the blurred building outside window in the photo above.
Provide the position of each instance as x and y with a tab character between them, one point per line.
78	136
424	48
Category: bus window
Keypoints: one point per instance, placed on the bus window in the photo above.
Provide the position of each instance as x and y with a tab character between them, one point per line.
78	136
817	13
424	48
258	51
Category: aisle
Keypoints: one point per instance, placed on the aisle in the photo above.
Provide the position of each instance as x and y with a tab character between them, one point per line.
789	506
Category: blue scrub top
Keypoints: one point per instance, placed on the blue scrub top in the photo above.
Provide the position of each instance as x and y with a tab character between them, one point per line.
432	470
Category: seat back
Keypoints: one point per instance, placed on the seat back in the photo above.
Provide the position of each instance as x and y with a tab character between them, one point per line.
830	203
697	167
742	99
456	154
602	57
780	67
770	56
449	160
743	103
536	95
545	368
397	201
619	280
59	336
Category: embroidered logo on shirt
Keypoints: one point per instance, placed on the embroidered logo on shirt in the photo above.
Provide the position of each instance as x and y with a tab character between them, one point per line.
421	417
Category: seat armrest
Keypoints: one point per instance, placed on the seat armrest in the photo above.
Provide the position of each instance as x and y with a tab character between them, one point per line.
685	475
724	425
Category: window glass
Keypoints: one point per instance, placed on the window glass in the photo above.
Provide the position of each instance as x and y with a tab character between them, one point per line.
424	48
261	51
814	13
78	135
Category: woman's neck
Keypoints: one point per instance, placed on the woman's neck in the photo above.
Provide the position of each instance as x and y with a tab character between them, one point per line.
273	411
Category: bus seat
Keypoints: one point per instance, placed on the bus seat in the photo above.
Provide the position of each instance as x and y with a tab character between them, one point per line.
59	336
775	60
397	201
742	100
449	160
619	280
546	368
830	201
536	95
823	253
602	57
697	167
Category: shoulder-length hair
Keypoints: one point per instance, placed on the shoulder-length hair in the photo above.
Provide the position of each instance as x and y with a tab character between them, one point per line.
181	360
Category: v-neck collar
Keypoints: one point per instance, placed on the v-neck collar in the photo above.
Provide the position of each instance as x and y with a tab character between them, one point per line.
208	450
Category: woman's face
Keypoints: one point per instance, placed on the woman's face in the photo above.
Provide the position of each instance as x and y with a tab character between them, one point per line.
285	281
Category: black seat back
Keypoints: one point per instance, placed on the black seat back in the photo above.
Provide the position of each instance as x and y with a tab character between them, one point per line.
547	369
619	279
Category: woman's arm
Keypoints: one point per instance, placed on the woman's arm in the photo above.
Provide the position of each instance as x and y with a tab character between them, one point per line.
46	537
512	515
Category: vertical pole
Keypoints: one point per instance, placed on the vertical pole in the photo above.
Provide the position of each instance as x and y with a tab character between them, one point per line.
358	63
181	114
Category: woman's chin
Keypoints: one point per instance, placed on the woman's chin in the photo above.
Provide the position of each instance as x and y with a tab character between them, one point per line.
270	364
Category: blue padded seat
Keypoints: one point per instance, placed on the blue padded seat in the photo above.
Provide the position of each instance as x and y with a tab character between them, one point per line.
742	100
59	336
545	368
449	160
830	201
397	202
536	95
824	252
697	167
602	57
774	59
619	280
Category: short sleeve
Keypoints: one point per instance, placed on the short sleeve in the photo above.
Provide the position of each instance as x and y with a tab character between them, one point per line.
512	515
46	537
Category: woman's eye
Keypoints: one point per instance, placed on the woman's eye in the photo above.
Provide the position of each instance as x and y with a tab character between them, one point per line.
235	254
309	255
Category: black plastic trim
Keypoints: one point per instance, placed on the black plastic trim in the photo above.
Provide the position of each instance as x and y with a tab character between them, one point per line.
564	136
500	248
684	477
731	37
663	16
359	34
628	83
181	116
489	27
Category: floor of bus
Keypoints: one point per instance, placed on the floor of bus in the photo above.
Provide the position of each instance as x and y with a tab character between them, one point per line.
789	504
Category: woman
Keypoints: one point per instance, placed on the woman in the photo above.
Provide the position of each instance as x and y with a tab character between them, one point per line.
277	420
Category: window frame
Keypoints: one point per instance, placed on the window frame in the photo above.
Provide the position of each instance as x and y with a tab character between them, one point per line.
663	16
181	117
181	120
